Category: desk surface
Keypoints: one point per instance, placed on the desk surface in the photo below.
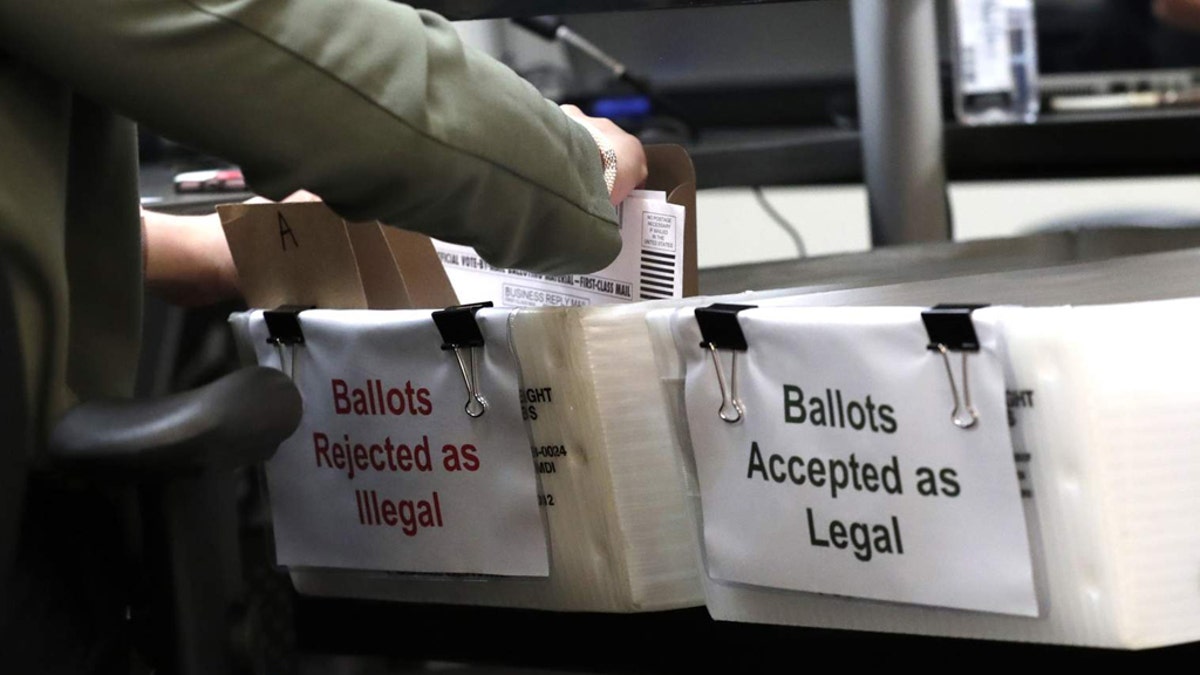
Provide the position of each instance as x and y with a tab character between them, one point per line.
680	641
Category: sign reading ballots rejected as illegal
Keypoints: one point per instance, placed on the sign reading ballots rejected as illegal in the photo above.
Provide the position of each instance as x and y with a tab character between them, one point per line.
387	471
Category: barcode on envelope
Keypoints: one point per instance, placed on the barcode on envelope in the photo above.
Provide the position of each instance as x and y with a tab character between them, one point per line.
657	275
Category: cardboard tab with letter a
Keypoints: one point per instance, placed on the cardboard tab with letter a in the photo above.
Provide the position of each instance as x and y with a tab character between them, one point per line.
302	253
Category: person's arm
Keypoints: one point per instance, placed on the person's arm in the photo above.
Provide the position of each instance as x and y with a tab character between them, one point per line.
377	108
187	260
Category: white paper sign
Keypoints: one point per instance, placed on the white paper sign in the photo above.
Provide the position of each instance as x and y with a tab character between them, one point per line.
846	475
649	266
387	471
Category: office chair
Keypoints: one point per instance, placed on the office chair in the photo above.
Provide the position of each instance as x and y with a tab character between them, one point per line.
175	455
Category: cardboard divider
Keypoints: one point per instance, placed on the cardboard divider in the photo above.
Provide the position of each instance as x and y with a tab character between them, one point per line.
303	253
423	272
293	254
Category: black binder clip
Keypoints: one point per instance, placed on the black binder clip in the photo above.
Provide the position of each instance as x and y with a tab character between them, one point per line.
950	329
460	332
719	329
283	327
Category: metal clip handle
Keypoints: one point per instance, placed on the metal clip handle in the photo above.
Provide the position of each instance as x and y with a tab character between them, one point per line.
972	414
290	349
729	393
476	404
284	331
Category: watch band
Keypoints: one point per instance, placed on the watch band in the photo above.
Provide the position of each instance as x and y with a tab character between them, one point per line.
608	155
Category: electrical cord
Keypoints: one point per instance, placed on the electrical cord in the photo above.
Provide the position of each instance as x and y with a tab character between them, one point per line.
553	29
790	229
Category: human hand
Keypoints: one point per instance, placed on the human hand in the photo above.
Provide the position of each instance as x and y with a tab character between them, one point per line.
1180	13
631	158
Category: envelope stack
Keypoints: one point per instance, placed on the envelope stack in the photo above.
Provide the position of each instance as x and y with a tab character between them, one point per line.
1112	442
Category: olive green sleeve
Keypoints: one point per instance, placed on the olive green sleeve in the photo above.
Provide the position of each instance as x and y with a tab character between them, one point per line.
374	106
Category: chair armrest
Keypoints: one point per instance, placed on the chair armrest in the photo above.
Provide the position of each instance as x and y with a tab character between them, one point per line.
238	420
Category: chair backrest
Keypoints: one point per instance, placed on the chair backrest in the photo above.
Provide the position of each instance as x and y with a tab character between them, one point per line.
15	425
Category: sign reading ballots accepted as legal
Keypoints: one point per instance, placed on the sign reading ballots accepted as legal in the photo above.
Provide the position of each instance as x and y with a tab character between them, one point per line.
846	474
387	471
